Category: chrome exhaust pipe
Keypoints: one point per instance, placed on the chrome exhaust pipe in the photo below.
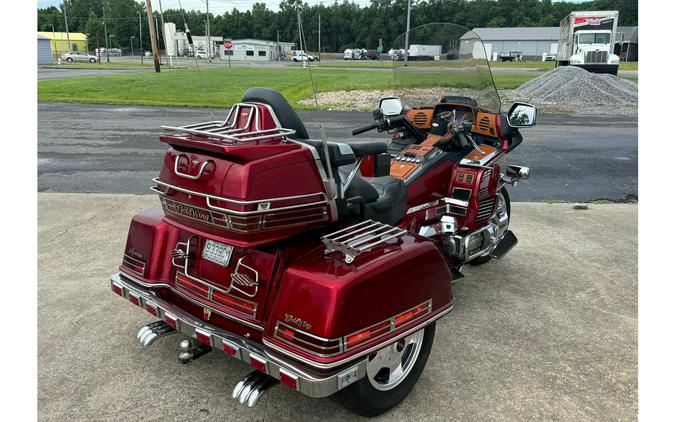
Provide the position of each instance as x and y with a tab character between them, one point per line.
252	387
151	332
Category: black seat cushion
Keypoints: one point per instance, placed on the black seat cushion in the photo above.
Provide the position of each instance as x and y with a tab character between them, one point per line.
359	187
392	203
288	118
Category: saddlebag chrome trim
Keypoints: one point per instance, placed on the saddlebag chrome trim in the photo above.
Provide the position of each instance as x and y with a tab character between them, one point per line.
308	384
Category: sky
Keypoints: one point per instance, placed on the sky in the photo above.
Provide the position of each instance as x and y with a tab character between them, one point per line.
217	7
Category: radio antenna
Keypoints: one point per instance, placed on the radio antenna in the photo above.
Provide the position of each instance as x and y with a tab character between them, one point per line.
324	140
199	72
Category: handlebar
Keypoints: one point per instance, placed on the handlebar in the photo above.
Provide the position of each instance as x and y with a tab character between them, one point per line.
364	129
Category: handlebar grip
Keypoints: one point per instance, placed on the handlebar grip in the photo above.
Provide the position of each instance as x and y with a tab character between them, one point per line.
363	129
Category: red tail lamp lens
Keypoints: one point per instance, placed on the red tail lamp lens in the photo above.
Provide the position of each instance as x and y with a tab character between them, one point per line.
202	337
229	350
133	299
117	289
288	379
367	334
259	363
152	309
408	316
285	333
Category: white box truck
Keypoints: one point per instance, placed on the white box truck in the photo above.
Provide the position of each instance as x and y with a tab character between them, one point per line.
587	41
424	52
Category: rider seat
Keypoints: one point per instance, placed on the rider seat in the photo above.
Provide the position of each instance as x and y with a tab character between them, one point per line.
385	197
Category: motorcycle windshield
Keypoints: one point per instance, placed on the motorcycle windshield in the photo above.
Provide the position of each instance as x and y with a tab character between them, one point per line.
439	60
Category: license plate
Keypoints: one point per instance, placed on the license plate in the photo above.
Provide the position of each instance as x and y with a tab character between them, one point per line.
217	252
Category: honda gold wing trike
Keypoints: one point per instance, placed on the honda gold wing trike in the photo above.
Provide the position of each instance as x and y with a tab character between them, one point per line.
325	264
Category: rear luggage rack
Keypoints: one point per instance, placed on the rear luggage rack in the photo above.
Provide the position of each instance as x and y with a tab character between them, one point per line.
233	129
353	240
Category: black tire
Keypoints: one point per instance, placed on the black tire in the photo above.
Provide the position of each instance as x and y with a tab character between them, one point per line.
363	399
487	258
92	60
69	60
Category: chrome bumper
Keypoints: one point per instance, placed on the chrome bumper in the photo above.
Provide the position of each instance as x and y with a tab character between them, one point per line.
234	345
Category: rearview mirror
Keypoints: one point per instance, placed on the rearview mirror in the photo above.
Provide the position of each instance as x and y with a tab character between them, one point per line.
391	106
522	115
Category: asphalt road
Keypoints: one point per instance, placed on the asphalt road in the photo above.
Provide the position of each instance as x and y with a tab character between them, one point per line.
548	333
115	149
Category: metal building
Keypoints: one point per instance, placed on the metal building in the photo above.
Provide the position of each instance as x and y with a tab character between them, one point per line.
533	42
44	50
257	50
59	42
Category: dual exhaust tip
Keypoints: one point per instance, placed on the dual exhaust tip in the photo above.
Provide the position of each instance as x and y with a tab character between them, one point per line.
252	387
248	390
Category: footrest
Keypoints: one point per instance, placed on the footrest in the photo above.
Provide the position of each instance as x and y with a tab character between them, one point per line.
505	245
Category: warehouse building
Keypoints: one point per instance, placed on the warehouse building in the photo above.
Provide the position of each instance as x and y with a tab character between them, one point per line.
44	50
533	42
257	50
59	42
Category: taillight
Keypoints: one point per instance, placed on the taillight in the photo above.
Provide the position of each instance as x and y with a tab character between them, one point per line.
203	337
259	363
288	379
370	333
117	289
134	265
152	309
313	344
171	320
407	316
244	306
133	299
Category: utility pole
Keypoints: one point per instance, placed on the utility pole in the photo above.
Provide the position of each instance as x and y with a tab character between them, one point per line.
65	17
140	35
302	58
166	44
131	42
319	37
105	34
208	32
278	47
153	36
407	31
98	49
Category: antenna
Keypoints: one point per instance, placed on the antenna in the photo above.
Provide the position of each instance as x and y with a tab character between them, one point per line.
199	72
324	141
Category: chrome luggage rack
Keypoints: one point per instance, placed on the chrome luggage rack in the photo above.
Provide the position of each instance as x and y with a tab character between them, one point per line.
353	240
226	129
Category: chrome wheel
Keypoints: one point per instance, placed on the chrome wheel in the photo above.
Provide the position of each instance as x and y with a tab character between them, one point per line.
391	365
500	217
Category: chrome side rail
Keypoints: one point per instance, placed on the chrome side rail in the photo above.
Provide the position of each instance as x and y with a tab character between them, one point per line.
264	205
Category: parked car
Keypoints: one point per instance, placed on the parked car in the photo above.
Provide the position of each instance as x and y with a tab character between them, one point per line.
301	56
348	54
550	57
78	56
201	54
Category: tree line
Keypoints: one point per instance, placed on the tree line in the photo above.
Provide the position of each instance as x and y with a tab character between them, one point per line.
343	24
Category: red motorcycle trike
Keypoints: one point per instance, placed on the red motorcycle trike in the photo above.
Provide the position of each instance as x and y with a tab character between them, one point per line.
325	265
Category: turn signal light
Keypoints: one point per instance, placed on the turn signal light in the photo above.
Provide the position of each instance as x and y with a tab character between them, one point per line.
203	337
117	289
134	265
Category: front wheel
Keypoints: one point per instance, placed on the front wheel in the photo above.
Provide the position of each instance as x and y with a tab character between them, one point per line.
92	60
69	60
390	375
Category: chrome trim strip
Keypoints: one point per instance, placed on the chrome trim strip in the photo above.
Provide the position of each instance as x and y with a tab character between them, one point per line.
371	349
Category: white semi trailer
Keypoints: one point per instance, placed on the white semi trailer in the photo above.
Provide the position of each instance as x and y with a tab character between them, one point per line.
587	41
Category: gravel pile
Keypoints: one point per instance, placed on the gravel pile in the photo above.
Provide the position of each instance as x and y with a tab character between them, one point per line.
573	86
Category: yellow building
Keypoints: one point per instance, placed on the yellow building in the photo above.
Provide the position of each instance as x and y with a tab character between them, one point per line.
59	42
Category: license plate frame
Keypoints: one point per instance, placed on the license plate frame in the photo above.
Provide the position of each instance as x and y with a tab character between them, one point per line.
217	252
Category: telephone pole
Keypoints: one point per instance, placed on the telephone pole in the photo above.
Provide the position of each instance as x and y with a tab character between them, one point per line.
153	36
407	31
105	34
65	17
319	36
208	32
166	44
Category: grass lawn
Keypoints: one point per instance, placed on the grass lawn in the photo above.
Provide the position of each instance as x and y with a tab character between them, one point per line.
220	86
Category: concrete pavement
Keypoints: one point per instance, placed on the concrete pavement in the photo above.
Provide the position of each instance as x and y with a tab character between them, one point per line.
548	333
